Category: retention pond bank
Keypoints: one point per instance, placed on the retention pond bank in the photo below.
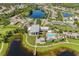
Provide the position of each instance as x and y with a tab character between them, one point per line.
16	49
61	51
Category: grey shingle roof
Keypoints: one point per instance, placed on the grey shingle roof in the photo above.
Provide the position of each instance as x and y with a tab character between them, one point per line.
35	28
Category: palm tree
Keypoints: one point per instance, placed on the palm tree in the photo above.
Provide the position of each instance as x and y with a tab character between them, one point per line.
76	31
70	31
10	33
5	39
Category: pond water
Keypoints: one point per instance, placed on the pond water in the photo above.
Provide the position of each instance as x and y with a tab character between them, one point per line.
17	50
66	53
66	14
37	14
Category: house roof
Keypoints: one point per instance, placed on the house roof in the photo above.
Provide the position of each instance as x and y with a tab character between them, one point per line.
35	28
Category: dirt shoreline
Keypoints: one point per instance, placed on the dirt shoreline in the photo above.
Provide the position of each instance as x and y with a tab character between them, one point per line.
57	51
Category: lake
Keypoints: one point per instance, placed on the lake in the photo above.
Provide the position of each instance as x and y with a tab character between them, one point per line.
17	50
37	14
66	53
66	14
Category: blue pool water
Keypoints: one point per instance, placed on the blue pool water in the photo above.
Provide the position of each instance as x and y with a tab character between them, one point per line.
65	14
50	35
37	14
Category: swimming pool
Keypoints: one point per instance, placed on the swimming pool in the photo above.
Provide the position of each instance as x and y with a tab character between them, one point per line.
51	34
37	14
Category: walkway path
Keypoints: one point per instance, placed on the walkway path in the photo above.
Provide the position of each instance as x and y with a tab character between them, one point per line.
73	43
40	46
1	47
35	47
67	42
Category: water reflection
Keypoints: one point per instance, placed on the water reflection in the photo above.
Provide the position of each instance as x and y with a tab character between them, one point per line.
66	53
17	50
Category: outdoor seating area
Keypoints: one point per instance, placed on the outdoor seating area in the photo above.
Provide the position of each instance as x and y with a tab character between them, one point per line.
50	37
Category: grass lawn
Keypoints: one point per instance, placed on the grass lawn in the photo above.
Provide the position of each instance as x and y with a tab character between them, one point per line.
45	44
73	47
73	5
7	45
31	39
0	45
4	31
25	44
51	43
63	27
4	50
74	40
45	49
8	28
